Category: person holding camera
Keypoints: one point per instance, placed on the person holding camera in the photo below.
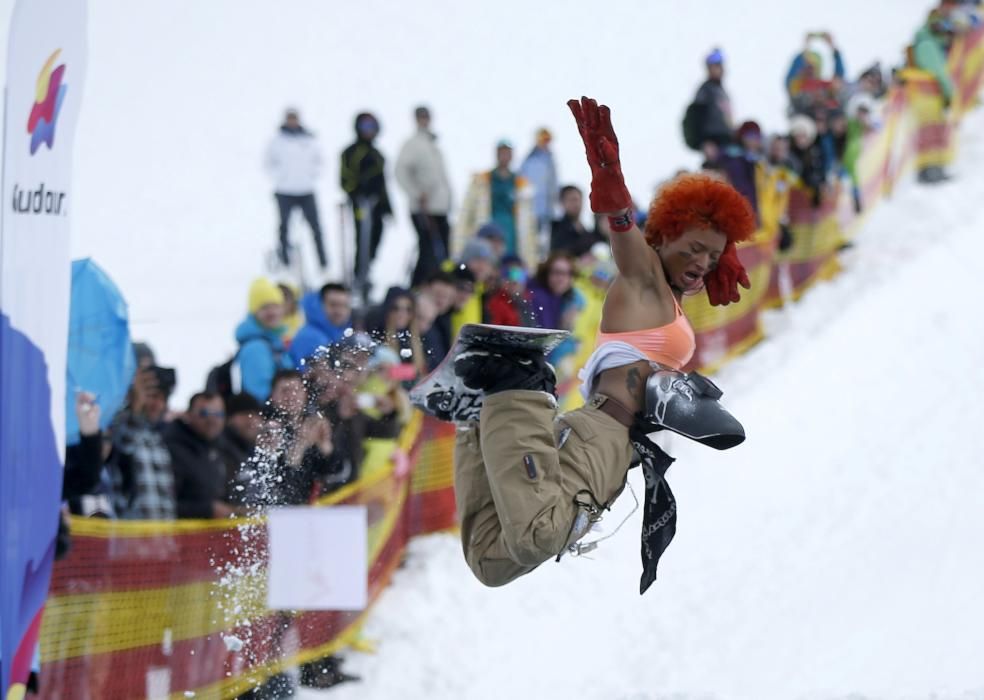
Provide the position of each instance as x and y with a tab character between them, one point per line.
140	466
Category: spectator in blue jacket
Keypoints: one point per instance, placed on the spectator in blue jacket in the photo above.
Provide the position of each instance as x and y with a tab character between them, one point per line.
260	337
329	316
804	76
541	171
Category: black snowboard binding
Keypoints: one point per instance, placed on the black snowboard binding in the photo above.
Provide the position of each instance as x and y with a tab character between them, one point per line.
688	404
491	370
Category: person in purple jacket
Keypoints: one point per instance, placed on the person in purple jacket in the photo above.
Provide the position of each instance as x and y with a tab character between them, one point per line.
554	299
739	162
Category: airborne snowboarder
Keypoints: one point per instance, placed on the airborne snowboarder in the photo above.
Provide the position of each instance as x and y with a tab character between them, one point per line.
529	484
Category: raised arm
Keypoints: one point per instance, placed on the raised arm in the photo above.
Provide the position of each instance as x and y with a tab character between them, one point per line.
609	196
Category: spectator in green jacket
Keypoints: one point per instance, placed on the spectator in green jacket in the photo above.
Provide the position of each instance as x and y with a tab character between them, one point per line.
929	51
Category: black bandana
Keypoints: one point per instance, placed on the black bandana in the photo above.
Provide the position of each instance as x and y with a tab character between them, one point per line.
659	509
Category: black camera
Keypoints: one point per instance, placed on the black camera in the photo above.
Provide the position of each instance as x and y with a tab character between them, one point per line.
166	378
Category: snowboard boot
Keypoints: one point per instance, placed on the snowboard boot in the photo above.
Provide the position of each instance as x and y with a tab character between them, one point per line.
492	370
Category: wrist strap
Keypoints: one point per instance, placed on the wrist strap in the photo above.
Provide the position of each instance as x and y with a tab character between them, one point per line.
620	223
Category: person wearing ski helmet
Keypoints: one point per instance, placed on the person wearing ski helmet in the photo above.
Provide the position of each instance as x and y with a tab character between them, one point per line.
528	484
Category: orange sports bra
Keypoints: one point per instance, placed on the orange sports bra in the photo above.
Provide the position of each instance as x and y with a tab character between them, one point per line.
672	345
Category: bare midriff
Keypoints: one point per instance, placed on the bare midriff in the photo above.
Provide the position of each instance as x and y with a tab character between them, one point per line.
626	384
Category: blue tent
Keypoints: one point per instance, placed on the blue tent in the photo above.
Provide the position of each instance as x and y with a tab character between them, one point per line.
100	355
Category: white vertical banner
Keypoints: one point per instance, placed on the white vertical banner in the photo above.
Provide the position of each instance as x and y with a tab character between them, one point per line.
46	64
319	558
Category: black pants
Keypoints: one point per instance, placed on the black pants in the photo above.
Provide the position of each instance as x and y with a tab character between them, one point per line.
432	244
286	204
372	217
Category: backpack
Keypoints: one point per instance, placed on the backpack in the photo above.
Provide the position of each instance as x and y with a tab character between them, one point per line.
227	379
692	120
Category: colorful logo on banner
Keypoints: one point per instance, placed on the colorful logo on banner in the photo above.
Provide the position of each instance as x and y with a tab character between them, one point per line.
48	100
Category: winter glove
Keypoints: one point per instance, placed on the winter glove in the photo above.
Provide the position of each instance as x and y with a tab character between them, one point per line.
722	282
608	192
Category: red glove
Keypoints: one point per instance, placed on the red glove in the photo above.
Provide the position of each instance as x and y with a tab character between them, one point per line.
608	192
722	282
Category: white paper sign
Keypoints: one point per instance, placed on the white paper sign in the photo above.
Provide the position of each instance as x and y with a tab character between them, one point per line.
318	558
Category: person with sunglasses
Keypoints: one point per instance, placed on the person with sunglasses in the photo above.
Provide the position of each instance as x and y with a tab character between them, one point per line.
200	477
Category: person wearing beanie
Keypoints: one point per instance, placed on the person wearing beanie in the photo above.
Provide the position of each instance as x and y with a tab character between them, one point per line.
260	337
364	181
492	233
807	151
741	162
712	109
475	269
479	257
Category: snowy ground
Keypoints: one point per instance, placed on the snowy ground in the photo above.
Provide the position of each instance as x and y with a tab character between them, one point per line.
836	554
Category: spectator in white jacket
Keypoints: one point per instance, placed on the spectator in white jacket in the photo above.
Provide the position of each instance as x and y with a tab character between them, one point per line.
421	172
293	160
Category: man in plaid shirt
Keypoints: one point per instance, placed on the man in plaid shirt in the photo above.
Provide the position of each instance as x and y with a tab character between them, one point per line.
143	481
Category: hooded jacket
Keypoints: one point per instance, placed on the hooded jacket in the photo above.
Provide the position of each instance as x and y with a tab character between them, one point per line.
293	160
318	332
261	354
363	172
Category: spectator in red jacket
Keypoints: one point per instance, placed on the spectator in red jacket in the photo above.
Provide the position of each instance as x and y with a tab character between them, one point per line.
509	305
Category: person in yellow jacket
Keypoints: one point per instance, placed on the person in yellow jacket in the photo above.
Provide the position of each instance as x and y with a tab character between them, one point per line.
476	267
779	180
293	315
503	196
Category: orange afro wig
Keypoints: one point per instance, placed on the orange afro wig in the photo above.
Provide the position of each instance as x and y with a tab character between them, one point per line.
698	201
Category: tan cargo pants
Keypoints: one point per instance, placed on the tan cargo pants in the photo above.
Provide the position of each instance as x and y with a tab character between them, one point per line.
518	471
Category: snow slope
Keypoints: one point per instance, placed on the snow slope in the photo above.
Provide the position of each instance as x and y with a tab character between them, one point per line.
181	97
836	554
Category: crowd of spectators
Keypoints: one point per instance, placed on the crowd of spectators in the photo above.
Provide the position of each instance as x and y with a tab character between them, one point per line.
316	373
829	116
